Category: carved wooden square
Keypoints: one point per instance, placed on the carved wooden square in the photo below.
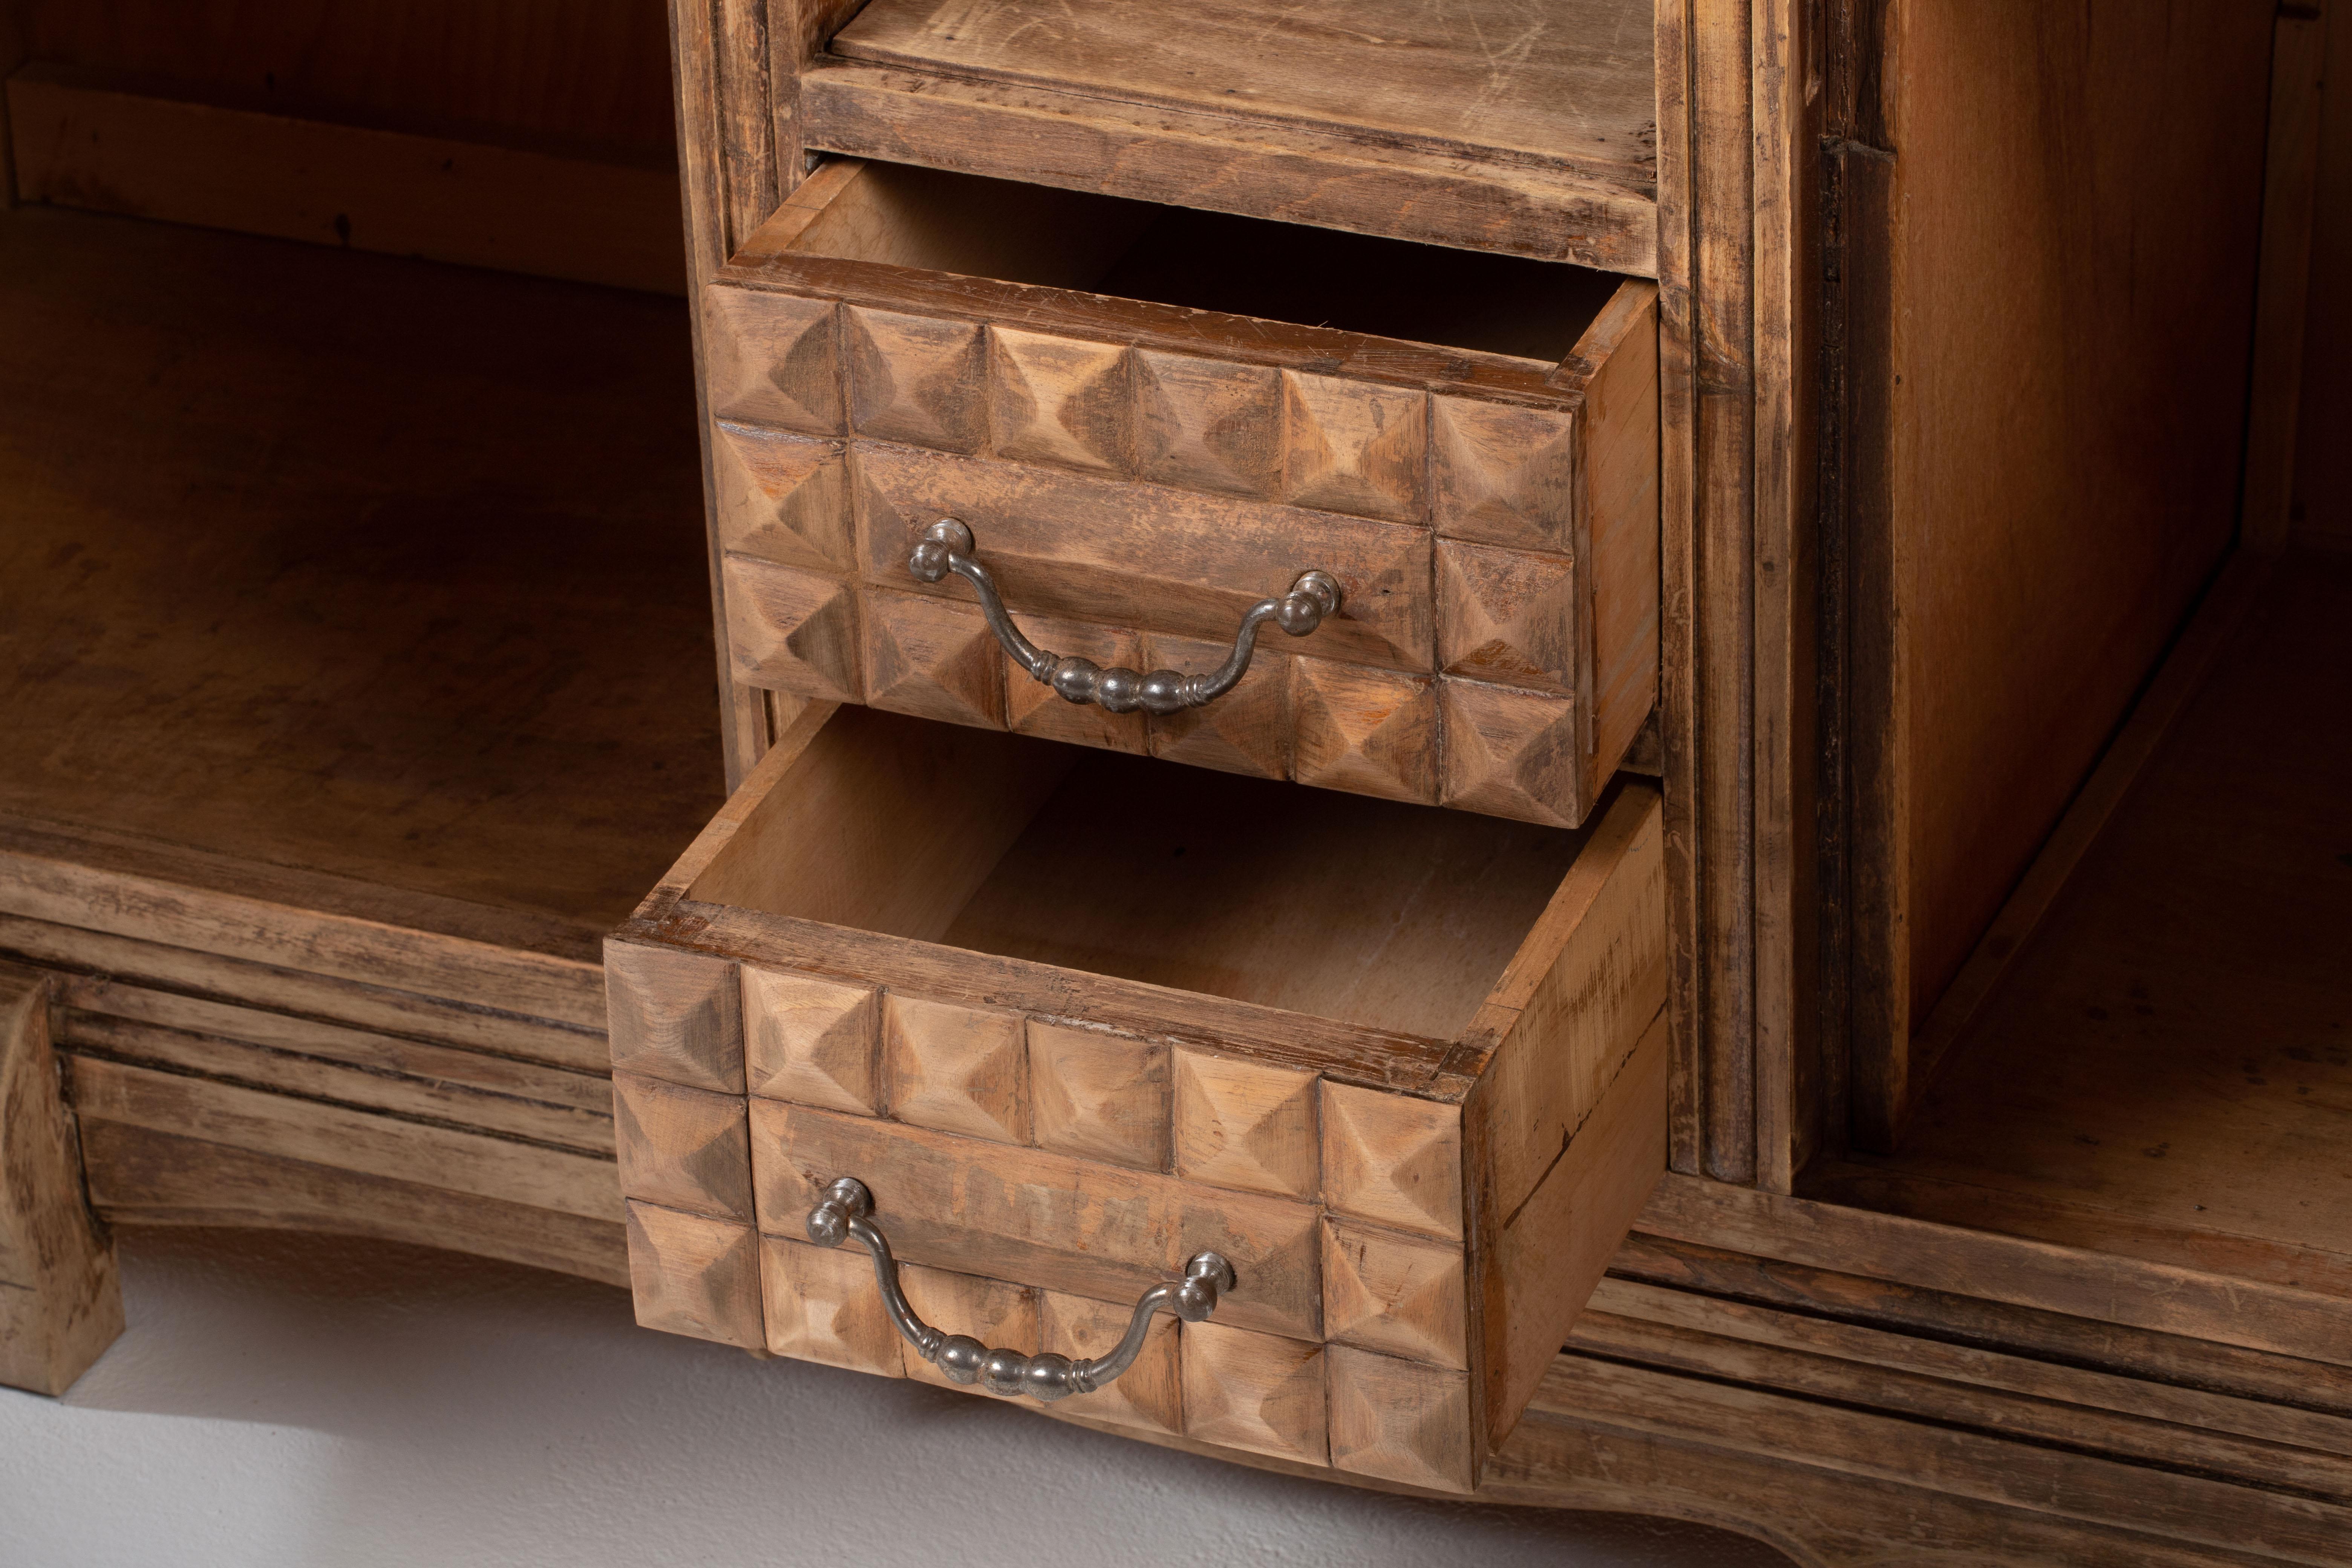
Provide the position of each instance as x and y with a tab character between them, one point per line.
1253	1391
1352	447
957	1069
1368	732
916	379
769	360
1388	1292
1148	1396
1399	1421
932	658
1392	1159
811	1041
694	1276
674	1016
999	1316
1508	616
789	630
682	1148
1243	1124
783	498
1247	731
1033	708
1502	475
1512	753
1062	401
1207	425
1098	1095
822	1303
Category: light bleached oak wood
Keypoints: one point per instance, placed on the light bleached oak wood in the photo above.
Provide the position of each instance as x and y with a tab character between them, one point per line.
1392	1161
1399	1420
693	1275
1401	1294
816	1042
1099	1095
822	1304
955	1069
1240	1123
1149	1396
682	1148
681	1018
60	1297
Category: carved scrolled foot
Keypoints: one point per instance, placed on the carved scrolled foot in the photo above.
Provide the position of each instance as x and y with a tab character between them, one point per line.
60	1299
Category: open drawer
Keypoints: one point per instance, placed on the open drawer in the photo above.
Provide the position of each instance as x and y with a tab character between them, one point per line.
1074	1018
1113	397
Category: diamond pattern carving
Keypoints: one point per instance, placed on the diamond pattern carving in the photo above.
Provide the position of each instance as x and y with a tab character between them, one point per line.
1399	1420
1247	731
1253	1391
1502	475
1033	708
1391	1160
915	379
1206	425
1060	401
789	630
683	1148
693	1276
822	1304
1511	754
1507	617
769	358
783	498
934	659
1350	446
1368	732
990	1311
957	1069
1099	1095
1245	1124
1388	1292
815	1042
1148	1396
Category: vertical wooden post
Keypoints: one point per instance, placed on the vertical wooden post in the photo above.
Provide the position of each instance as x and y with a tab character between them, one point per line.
60	1301
2290	202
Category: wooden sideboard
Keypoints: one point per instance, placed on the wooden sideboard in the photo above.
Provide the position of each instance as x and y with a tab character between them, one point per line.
1834	820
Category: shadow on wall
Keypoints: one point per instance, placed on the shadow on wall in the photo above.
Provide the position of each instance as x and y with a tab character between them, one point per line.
327	1402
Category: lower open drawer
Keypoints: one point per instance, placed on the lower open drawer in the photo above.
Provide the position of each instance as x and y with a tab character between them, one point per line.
1074	1018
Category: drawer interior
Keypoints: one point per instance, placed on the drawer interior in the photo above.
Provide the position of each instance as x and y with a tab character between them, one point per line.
1239	265
1391	916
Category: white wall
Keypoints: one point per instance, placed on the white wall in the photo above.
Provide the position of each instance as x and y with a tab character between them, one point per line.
322	1402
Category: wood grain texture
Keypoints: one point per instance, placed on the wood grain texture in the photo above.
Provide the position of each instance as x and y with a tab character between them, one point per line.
997	1314
782	498
1099	1095
60	1296
102	140
1039	1218
824	1304
1398	1294
1399	1420
2281	292
695	1276
816	1042
1149	1395
683	1148
674	1015
1238	1123
955	1069
1392	1162
1255	1391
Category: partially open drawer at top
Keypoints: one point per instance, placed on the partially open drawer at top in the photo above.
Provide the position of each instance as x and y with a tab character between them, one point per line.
1140	463
1075	1018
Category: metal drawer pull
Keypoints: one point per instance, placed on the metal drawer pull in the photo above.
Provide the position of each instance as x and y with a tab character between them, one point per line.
1044	1377
947	546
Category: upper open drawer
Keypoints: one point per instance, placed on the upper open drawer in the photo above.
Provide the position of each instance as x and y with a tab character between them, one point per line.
1137	467
1075	1018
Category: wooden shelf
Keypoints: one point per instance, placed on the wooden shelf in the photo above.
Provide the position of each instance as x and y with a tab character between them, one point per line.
368	576
1489	125
2151	1054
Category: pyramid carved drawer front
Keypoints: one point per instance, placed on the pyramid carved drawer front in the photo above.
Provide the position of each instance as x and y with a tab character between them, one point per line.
1138	476
1066	1060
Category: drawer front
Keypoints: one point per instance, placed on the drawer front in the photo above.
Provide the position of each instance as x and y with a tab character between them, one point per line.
1412	1223
1496	551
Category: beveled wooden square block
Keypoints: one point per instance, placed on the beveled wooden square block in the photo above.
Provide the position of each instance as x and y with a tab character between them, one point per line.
1511	754
1033	708
1253	1391
782	498
1247	731
1063	401
1399	1420
790	630
1506	616
1388	1292
933	658
1099	1095
1207	425
674	1016
999	1316
1353	447
1147	1396
812	1041
769	360
1502	475
1392	1159
916	379
690	1275
1241	1123
822	1303
682	1148
957	1069
1368	732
